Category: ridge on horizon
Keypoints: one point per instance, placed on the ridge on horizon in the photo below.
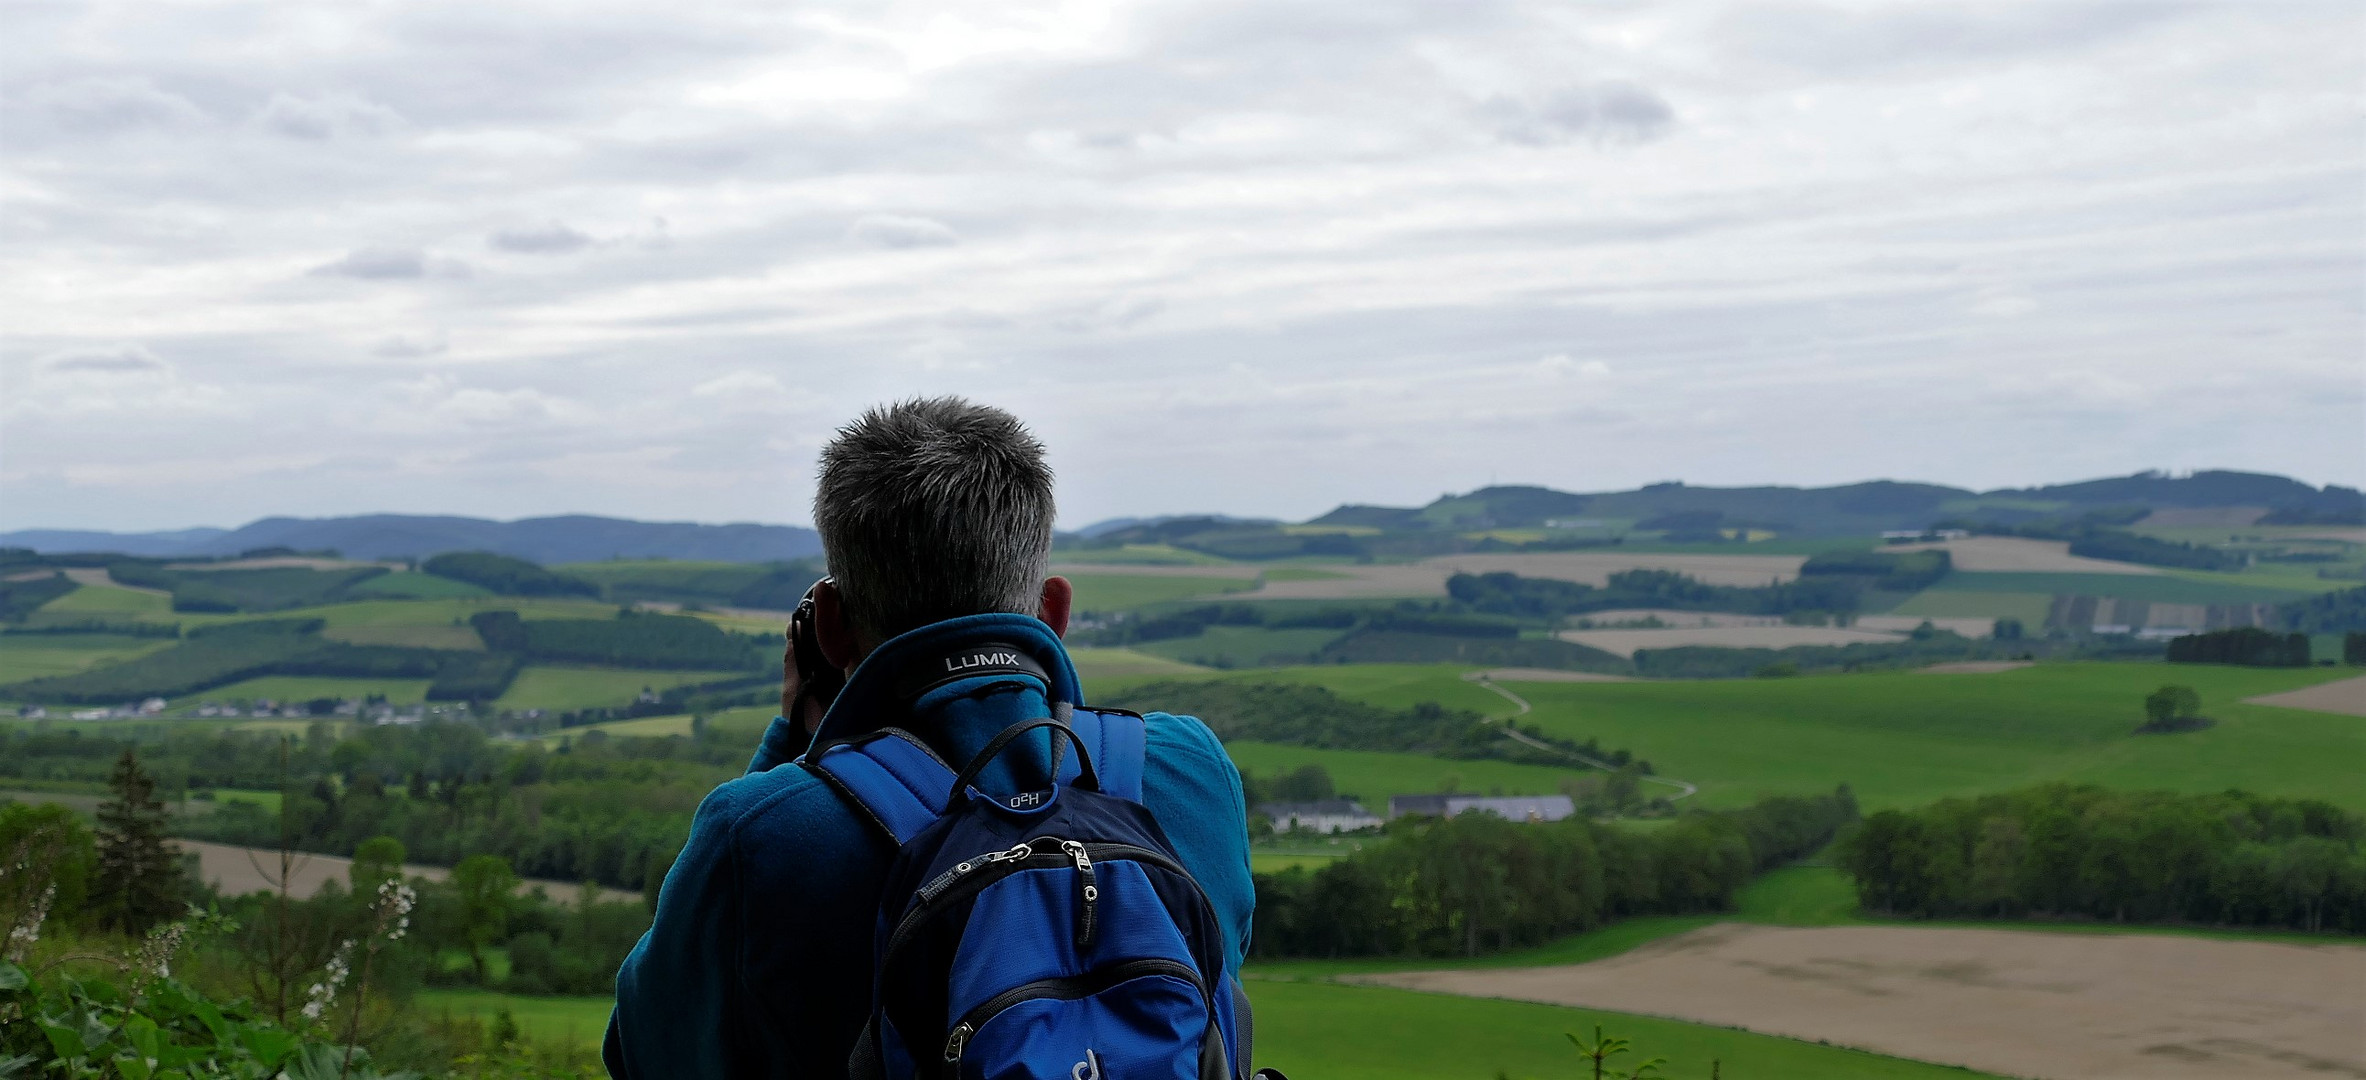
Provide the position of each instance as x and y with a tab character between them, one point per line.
1837	509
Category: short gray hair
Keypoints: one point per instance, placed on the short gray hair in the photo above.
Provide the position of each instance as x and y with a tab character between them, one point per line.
934	508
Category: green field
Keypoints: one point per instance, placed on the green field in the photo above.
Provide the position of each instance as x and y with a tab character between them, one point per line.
32	656
555	687
2030	608
413	585
1243	646
300	688
414	637
1907	738
580	1021
1121	592
1372	776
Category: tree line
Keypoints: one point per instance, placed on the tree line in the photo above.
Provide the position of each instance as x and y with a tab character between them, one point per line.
2062	851
1478	882
1297	714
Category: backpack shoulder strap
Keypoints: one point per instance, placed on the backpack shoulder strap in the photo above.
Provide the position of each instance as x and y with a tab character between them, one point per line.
1117	741
898	781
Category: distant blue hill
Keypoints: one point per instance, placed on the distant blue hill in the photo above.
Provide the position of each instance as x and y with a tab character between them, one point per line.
573	538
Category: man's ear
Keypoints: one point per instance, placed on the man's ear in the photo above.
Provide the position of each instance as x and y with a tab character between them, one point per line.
831	631
1058	594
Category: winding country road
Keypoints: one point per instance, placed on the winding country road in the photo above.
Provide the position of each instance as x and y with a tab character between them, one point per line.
1480	677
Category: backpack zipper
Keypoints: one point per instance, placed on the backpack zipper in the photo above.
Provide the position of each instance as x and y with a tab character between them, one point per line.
1092	891
1063	988
975	874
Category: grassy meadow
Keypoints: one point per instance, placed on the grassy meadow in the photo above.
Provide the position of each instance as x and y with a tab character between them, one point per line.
1906	738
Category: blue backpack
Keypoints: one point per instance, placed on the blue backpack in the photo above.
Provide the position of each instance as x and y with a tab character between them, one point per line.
1042	935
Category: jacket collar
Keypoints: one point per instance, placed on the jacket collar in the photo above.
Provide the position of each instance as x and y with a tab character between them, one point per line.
874	695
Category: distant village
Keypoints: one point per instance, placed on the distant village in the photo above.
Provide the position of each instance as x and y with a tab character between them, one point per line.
1348	815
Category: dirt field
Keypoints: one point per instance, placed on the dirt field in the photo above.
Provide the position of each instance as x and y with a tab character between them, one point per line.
238	870
1968	627
2347	697
2012	554
2092	1007
1428	577
1626	642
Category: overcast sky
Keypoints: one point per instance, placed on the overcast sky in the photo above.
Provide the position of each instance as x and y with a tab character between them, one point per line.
511	259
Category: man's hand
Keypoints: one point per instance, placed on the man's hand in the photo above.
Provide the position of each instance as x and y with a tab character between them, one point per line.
791	685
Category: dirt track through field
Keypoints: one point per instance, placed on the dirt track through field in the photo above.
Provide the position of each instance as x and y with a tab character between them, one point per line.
2053	1005
2347	697
240	870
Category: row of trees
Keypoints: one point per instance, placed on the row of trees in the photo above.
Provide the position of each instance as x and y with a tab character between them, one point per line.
2085	852
2248	645
1478	881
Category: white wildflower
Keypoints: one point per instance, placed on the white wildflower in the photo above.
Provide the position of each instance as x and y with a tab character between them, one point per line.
324	993
395	901
27	932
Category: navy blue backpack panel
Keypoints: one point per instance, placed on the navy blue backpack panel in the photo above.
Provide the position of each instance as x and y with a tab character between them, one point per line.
1035	935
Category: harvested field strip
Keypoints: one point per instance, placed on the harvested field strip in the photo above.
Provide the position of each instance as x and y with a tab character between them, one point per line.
2013	554
2019	1003
1428	577
2347	697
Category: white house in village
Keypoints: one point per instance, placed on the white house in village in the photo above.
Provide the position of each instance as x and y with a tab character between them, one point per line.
1528	808
1327	816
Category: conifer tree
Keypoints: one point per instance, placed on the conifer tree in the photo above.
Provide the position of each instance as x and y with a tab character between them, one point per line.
138	883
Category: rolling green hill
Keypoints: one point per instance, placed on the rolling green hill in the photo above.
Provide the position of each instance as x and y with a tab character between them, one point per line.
1907	738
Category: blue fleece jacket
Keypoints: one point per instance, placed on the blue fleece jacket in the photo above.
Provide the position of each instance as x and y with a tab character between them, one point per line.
759	960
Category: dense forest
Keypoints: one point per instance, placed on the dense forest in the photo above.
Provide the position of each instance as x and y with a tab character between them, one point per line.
2085	852
1477	881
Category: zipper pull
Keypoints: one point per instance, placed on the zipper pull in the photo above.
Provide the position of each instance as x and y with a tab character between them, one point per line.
1085	917
958	1042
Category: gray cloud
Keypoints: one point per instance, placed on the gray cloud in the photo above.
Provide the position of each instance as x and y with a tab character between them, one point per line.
327	117
550	238
897	231
391	264
123	360
1601	112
